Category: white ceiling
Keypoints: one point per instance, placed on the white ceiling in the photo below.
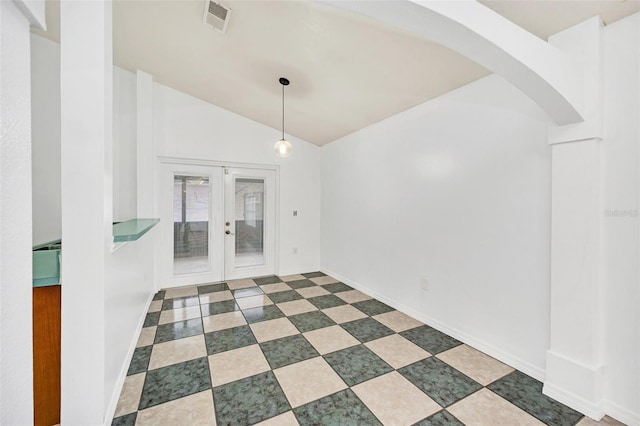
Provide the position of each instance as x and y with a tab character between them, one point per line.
346	71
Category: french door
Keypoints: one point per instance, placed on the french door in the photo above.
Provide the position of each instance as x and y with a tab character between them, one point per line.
218	223
250	205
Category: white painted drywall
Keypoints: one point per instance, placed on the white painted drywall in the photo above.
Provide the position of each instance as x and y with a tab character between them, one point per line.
620	224
187	127
124	145
86	112
129	289
16	359
45	133
457	191
475	31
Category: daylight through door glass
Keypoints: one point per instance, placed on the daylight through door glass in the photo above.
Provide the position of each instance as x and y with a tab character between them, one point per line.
190	224
249	221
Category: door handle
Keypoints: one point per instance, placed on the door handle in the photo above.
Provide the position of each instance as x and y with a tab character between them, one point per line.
228	232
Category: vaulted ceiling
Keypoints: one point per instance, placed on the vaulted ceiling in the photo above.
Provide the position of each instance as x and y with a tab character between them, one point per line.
346	71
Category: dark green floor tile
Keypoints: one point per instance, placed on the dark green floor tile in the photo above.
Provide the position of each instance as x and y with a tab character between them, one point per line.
246	292
372	307
337	287
151	319
175	381
219	308
262	313
212	288
301	284
250	400
526	393
267	280
327	301
178	330
367	329
441	382
128	420
288	350
313	274
311	321
231	338
441	418
343	408
285	296
180	302
140	360
430	339
159	295
357	364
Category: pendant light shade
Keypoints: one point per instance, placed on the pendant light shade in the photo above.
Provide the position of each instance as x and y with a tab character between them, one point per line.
283	146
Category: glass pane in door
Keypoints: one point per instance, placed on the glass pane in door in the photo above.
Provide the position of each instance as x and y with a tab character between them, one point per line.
249	221
190	224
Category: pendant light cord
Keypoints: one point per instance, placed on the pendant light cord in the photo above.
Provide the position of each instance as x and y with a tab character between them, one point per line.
283	112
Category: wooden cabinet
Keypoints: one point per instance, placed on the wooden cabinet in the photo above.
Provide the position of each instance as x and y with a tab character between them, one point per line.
46	355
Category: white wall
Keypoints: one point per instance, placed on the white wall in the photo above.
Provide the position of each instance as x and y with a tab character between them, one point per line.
124	145
620	225
16	355
45	80
457	191
129	290
187	127
86	107
45	139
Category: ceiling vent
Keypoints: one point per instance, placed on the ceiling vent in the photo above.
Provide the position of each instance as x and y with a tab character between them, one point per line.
216	15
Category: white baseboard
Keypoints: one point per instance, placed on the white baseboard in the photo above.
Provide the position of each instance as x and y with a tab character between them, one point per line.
115	396
575	384
505	357
621	414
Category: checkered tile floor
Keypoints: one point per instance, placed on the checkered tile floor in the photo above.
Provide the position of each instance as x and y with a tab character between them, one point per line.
309	350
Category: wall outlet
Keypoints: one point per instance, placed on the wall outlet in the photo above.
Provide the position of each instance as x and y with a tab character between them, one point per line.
295	250
295	213
424	284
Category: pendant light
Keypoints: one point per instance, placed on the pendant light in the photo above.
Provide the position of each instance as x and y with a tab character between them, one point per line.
283	147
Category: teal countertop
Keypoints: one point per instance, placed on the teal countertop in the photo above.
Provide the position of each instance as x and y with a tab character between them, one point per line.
46	264
46	256
133	229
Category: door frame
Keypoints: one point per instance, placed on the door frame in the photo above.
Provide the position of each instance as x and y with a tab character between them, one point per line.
168	160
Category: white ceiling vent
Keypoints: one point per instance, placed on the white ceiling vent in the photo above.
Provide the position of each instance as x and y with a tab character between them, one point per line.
216	15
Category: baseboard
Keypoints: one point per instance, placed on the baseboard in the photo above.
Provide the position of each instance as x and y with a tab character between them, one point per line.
621	414
513	361
589	409
575	384
115	396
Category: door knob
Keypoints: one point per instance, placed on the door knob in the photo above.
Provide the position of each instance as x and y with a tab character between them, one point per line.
227	232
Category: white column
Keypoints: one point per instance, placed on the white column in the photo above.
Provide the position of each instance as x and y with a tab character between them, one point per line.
144	146
574	373
16	352
86	74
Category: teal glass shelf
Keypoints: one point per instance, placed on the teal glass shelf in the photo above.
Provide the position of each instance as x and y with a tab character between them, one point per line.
133	229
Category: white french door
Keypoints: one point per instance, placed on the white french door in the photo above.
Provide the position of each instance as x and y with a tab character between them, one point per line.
218	223
191	203
250	206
